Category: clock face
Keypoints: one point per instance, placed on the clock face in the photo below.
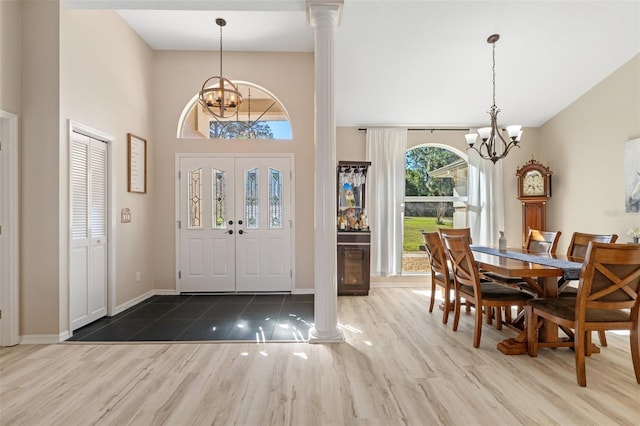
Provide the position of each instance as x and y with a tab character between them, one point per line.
533	184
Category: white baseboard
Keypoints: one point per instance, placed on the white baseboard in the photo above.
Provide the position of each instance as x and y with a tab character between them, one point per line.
304	291
156	292
388	284
43	339
401	281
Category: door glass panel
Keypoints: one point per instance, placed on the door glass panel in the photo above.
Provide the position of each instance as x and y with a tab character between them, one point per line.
195	199
219	189
275	199
251	207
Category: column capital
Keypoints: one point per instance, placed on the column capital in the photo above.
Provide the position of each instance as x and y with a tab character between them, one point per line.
320	10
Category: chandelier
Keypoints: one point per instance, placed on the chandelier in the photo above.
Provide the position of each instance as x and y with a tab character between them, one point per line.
219	95
494	146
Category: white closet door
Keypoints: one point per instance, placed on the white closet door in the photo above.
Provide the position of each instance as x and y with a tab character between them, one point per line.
88	260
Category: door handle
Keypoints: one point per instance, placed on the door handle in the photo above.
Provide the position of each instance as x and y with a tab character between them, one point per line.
241	232
240	222
230	222
230	231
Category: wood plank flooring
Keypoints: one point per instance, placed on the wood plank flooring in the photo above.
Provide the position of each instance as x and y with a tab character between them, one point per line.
400	365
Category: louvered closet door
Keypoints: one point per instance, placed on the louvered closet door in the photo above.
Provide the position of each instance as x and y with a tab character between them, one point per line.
88	264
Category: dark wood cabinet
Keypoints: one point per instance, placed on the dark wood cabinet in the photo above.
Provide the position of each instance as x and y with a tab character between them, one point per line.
353	263
354	236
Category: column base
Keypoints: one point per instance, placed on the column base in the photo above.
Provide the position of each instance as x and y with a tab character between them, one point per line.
317	337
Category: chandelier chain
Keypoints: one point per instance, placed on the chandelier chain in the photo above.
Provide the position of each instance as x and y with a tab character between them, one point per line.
221	53
494	73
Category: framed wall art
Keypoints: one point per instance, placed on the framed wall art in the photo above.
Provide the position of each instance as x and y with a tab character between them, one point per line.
137	164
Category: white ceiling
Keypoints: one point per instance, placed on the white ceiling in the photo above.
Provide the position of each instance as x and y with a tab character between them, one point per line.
419	63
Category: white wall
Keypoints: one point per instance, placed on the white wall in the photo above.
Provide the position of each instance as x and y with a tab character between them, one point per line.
584	144
39	174
90	67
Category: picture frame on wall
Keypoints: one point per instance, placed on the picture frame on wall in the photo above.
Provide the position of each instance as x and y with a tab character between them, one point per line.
632	176
136	164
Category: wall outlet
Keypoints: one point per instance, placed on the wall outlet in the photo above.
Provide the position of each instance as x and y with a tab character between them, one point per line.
137	276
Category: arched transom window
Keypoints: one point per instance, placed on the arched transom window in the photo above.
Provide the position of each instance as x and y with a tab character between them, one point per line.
260	116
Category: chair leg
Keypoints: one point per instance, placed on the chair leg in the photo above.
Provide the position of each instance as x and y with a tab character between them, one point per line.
456	311
498	311
477	331
579	350
433	295
507	314
634	339
489	312
447	305
531	319
603	338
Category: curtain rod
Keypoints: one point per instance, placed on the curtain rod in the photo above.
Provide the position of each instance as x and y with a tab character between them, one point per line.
411	129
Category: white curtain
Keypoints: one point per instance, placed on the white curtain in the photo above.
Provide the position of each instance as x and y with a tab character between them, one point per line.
486	200
386	150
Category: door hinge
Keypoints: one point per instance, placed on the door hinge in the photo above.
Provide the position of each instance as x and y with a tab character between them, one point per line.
179	224
290	273
179	174
179	274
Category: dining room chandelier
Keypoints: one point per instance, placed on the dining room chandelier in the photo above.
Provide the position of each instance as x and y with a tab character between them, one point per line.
494	146
219	95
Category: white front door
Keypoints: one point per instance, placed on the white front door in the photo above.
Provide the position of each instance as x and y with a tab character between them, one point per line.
88	261
235	224
207	242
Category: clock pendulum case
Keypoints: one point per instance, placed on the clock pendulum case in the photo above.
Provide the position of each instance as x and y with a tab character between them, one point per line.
534	190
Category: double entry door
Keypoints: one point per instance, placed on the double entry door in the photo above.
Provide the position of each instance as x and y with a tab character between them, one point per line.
235	224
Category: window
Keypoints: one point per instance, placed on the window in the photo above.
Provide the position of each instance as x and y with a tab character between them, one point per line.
435	197
260	116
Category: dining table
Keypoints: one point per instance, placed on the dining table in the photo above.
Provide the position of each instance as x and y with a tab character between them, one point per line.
543	271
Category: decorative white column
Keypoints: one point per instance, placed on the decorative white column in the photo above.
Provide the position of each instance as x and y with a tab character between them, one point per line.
324	16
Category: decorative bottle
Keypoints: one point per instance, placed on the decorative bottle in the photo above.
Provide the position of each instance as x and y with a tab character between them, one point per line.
364	222
502	242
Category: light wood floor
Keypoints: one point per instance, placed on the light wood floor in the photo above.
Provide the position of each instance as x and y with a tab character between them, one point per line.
399	365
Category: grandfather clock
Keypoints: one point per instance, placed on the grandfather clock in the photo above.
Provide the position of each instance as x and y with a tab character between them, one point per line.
534	190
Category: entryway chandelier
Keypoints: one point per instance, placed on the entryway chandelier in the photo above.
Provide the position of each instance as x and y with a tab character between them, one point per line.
492	138
222	99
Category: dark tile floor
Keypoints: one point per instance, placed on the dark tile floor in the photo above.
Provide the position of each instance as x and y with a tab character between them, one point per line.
206	317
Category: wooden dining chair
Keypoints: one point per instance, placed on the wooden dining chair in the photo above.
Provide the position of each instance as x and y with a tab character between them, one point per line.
577	250
580	241
607	300
542	241
484	296
456	231
440	275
